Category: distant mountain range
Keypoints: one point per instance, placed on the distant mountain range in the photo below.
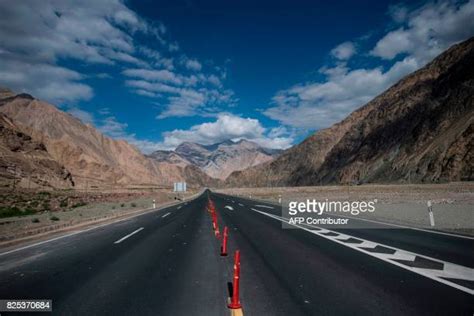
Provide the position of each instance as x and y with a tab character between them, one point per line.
419	130
218	160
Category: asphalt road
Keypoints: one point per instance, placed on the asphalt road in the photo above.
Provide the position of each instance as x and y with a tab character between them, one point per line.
167	262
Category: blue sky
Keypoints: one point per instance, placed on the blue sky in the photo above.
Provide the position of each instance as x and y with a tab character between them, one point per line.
157	73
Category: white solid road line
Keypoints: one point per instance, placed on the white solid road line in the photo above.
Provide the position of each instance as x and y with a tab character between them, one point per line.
179	207
449	270
165	215
264	206
129	235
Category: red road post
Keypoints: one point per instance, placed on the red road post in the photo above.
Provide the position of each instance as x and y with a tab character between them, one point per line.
235	301
224	242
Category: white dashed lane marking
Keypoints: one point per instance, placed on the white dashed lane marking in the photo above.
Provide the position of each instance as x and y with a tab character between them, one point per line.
265	206
129	235
165	215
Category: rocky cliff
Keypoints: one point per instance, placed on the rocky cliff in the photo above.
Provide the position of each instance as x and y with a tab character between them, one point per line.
25	162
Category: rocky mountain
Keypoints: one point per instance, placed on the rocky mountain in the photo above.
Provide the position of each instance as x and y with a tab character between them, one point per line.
218	160
25	162
419	130
91	157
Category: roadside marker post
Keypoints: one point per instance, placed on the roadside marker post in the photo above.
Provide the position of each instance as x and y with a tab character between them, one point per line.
224	242
430	212
154	204
234	300
279	199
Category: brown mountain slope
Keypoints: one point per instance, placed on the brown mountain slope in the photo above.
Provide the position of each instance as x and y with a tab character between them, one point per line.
24	162
419	130
90	156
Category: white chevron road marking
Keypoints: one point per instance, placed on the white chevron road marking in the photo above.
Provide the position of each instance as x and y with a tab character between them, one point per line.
446	270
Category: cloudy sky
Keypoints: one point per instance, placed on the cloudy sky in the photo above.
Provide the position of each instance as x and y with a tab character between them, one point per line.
158	73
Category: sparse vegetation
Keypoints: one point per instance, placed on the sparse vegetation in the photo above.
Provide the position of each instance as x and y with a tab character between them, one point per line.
14	211
64	202
35	220
45	206
79	204
44	193
133	204
54	218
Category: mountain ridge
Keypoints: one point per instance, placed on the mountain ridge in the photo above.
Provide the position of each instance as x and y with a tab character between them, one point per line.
220	159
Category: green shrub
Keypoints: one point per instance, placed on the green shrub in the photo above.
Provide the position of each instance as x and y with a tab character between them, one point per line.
45	206
79	204
122	204
64	203
35	220
14	211
54	218
133	204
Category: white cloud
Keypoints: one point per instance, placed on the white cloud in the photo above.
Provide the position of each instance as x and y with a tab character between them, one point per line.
154	75
156	59
183	100
173	47
193	64
320	104
344	51
180	94
226	126
36	36
45	81
428	31
398	13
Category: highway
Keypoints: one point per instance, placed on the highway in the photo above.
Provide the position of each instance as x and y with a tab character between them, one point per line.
167	262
